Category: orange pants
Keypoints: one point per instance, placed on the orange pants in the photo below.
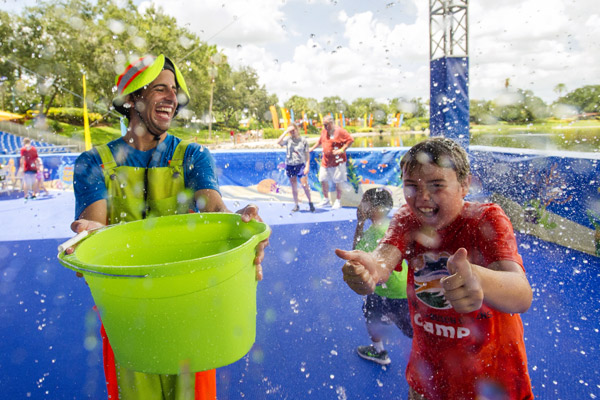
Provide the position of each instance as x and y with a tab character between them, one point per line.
205	387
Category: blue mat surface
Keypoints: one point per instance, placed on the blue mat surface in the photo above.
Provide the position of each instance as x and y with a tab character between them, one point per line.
308	324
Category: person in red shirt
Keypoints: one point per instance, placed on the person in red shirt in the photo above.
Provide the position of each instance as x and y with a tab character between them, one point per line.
466	282
28	163
335	140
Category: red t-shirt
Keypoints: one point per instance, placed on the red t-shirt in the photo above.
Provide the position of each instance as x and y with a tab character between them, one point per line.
460	356
337	141
30	155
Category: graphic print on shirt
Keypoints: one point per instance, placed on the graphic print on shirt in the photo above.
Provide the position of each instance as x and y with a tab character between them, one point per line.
430	270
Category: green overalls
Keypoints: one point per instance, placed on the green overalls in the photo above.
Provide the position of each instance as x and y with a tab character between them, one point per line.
136	193
127	197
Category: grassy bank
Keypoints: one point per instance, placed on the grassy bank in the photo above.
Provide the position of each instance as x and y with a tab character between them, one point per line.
551	134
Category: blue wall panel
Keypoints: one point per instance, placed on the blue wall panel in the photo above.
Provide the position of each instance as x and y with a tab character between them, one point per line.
570	178
449	99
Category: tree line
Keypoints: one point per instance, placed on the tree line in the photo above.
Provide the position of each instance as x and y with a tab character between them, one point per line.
522	106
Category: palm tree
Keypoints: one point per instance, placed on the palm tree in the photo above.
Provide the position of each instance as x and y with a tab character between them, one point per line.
560	88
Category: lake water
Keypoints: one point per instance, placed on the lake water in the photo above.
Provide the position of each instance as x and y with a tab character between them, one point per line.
587	142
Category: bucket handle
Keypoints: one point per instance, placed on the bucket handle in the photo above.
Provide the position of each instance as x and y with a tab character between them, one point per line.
73	242
78	268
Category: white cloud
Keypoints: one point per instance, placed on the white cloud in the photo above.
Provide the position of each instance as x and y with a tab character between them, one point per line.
349	50
227	23
536	44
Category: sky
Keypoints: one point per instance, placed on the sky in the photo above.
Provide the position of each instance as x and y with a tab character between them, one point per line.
380	49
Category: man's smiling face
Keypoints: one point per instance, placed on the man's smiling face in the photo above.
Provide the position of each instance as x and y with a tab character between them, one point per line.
158	102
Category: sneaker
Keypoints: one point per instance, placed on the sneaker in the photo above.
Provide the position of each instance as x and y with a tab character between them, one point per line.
296	208
324	203
369	353
311	207
336	205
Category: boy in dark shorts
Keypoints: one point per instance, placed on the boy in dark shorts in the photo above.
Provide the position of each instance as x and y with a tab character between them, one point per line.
388	304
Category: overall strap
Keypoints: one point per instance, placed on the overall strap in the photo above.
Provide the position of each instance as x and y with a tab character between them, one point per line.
179	153
108	161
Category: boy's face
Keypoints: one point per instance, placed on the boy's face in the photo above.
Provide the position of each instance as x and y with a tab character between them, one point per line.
434	194
364	208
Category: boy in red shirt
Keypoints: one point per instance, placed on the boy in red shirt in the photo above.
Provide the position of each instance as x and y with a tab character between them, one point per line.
466	282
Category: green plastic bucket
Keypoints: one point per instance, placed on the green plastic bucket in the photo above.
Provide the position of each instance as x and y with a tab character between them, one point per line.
174	293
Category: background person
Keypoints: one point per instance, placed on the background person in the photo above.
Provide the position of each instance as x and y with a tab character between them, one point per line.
297	162
144	174
28	164
466	282
335	141
39	177
388	303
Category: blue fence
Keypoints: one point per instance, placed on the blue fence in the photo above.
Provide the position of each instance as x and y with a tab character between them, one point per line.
11	144
567	183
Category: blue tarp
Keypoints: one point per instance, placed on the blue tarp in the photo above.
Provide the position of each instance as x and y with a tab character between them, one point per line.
449	105
568	180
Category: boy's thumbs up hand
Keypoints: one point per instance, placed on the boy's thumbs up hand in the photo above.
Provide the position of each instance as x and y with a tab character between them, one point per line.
356	270
462	289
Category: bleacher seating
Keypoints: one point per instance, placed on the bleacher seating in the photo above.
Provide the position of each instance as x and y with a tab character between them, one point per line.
11	144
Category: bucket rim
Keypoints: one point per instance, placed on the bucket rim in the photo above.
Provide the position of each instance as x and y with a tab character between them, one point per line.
157	270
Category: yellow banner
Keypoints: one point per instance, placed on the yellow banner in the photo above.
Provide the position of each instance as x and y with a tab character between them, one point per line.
284	114
274	117
86	124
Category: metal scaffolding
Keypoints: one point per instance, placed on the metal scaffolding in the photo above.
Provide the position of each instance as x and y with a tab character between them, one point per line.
448	28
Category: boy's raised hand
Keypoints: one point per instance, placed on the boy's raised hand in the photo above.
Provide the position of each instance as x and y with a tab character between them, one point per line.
356	270
462	289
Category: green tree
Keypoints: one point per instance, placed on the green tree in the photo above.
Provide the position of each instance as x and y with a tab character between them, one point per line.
413	108
560	88
333	104
47	48
238	94
128	35
585	99
361	106
482	112
525	108
302	104
47	54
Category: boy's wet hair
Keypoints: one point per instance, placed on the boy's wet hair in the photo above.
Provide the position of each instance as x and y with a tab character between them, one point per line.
441	151
379	197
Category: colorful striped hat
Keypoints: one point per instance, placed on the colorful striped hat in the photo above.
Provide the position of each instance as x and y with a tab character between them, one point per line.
141	73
